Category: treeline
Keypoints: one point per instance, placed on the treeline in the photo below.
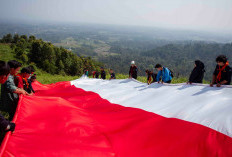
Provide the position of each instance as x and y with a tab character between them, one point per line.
178	57
52	59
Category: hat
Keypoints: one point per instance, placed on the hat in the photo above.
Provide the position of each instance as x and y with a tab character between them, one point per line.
132	62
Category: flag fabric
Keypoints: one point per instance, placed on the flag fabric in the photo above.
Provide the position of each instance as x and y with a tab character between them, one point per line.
122	118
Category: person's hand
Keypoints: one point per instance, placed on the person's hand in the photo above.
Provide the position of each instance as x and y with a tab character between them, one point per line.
211	84
24	92
162	82
218	85
30	94
10	127
158	82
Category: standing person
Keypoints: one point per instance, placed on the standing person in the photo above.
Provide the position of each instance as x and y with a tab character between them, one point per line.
197	74
151	77
86	72
5	125
94	72
103	73
97	74
112	74
133	70
9	91
222	72
164	73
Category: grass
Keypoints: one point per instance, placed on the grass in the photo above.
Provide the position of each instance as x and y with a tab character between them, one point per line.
6	53
46	78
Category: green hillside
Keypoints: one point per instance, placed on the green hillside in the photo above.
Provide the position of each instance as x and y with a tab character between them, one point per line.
7	54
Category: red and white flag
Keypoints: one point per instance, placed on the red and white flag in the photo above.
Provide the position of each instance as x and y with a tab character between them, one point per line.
122	118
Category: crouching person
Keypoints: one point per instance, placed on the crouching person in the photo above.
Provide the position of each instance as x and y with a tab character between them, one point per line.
222	72
151	77
164	73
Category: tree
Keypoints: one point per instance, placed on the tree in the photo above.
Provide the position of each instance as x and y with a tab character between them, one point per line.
7	39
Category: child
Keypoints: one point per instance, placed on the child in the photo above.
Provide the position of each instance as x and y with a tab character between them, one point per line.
222	72
150	75
9	91
164	73
5	125
112	74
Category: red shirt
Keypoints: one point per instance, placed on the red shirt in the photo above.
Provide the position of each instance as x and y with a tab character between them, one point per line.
18	81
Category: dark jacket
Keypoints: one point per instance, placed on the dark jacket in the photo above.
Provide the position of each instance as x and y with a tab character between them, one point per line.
112	76
3	123
30	86
197	74
97	74
9	98
103	75
152	76
226	74
133	72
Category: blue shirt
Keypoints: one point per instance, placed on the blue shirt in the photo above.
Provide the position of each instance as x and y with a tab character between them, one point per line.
165	74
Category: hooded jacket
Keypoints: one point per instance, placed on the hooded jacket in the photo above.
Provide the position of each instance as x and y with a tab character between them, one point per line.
197	73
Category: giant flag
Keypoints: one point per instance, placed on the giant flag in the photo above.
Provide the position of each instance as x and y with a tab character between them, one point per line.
122	118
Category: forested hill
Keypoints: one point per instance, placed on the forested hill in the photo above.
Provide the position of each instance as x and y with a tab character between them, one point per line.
46	56
178	57
116	53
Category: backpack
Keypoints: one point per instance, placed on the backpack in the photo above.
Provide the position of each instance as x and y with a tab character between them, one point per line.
171	72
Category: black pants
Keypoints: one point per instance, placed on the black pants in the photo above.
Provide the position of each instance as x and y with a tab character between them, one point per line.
134	76
169	81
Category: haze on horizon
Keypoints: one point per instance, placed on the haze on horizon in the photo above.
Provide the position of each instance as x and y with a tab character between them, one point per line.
210	15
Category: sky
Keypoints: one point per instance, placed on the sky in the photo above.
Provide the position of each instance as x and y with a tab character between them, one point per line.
211	15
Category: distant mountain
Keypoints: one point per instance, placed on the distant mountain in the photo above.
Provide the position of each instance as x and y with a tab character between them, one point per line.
57	32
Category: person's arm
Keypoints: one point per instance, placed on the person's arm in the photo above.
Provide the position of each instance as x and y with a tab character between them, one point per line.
30	86
10	86
20	91
158	76
222	83
111	76
227	79
130	73
214	76
148	79
213	80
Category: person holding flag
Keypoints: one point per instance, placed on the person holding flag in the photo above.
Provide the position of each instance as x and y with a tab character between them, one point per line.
222	72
